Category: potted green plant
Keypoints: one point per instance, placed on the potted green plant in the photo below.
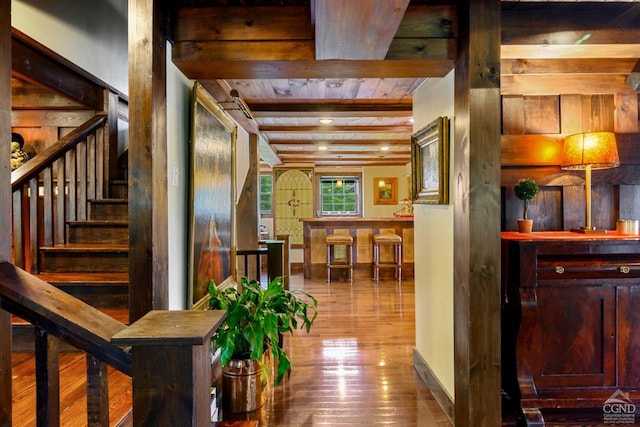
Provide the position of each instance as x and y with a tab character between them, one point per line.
251	334
526	190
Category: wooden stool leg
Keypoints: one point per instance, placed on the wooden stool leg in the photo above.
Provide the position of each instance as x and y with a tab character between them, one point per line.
350	257
328	263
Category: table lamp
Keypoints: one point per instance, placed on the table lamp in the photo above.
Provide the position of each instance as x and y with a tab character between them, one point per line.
588	151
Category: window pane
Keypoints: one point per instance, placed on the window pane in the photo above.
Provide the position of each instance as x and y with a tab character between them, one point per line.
265	193
339	195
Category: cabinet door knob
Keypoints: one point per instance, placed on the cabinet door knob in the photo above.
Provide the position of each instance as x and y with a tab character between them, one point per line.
624	269
559	269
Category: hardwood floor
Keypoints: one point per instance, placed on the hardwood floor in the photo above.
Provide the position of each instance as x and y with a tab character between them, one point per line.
354	368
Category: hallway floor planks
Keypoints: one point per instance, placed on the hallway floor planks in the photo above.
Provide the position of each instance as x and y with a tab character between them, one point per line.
353	368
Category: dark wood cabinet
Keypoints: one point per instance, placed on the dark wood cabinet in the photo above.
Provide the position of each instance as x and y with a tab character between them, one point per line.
570	319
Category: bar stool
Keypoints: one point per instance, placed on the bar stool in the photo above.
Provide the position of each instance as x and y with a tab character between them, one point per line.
333	240
387	239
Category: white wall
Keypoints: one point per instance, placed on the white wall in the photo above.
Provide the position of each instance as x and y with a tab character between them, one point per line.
90	33
178	110
369	174
433	240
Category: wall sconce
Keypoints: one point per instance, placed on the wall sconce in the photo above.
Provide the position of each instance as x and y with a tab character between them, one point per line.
381	183
339	183
239	103
587	151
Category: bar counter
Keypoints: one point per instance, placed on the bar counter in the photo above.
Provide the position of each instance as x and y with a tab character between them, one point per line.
361	229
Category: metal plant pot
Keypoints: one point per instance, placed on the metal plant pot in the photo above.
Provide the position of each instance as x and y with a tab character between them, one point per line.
242	388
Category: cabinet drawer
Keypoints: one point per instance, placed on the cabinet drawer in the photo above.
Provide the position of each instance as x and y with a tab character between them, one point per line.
618	266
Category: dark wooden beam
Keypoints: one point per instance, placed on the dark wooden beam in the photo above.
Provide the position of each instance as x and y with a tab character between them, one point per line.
341	142
33	62
195	67
344	29
336	129
476	215
581	23
321	109
6	203
243	23
148	252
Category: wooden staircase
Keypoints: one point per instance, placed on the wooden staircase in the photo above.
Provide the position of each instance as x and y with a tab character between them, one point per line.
94	265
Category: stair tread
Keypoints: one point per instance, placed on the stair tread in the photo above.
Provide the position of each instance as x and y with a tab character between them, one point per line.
98	222
87	247
83	277
115	200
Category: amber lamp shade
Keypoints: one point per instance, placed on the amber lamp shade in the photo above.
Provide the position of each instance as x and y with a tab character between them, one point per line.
590	150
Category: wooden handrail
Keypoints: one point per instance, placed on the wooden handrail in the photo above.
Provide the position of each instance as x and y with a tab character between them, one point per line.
56	186
70	319
44	159
58	316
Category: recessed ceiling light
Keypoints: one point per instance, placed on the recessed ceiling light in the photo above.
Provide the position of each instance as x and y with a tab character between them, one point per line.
322	148
410	119
326	121
384	148
296	147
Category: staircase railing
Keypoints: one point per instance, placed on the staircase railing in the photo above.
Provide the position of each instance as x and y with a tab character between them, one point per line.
77	167
57	316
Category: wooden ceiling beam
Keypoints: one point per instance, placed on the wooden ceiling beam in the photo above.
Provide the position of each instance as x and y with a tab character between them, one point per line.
360	29
332	107
198	69
335	129
340	142
581	23
244	23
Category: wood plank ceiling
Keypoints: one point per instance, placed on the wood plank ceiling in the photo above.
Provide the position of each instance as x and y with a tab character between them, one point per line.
359	63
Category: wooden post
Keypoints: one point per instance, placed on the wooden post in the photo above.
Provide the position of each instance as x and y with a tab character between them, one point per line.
5	203
476	168
148	223
171	366
47	379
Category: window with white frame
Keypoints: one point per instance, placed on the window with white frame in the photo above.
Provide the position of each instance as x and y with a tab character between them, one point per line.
339	195
266	194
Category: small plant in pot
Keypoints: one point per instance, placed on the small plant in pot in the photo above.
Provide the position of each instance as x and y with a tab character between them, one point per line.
526	190
249	338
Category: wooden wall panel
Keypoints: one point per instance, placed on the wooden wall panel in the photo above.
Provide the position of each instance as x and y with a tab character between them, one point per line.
598	113
629	205
626	113
604	206
512	115
541	114
573	207
570	114
561	202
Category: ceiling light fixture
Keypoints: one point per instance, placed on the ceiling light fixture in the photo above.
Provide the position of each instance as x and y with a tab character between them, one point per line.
322	148
326	121
384	148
